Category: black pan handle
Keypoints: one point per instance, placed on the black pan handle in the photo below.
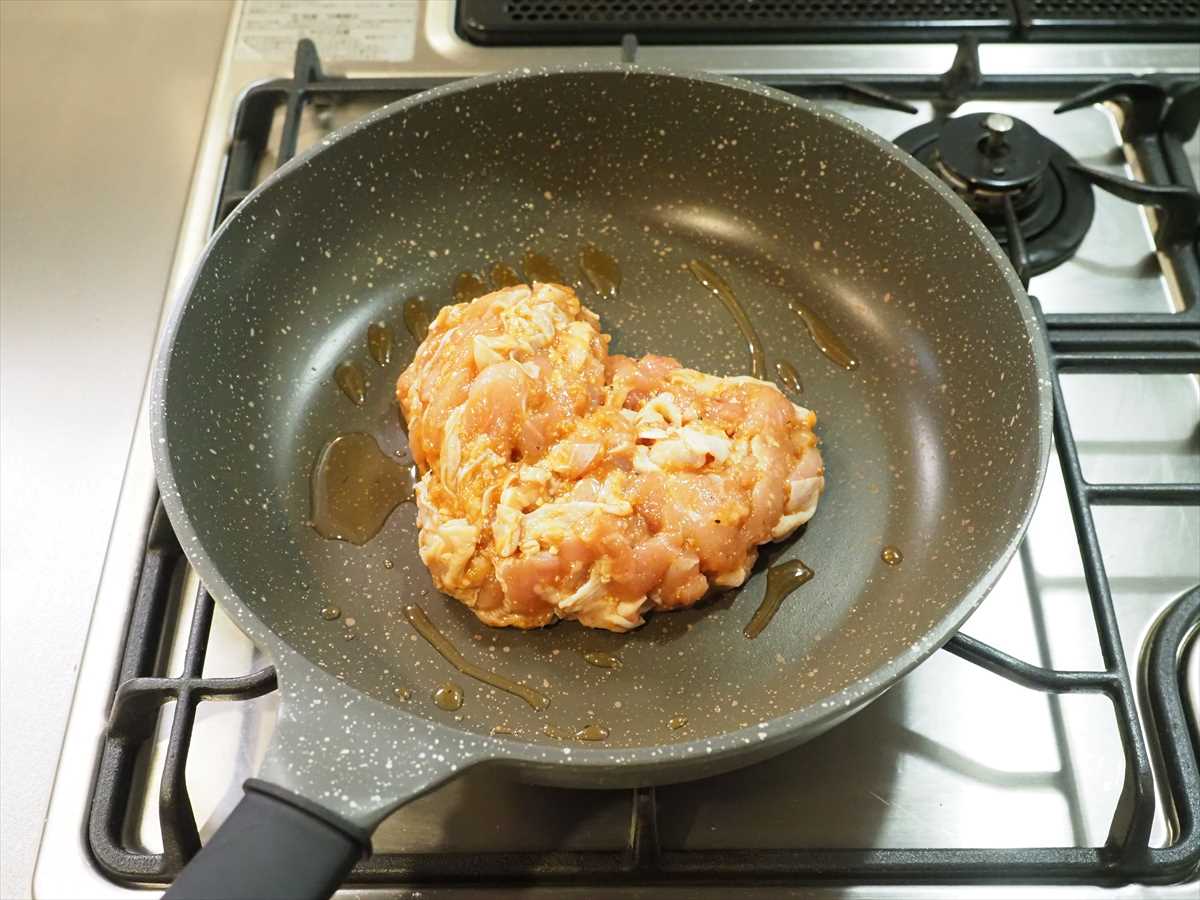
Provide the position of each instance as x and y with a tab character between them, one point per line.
274	844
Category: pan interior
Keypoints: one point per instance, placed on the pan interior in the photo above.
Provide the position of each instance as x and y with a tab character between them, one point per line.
931	444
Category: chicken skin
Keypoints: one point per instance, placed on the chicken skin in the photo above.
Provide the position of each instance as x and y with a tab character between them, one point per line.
559	482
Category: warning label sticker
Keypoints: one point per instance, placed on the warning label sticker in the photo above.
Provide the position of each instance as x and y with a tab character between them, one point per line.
343	30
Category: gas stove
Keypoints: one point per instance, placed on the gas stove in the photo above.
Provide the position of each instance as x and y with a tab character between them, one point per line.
1051	748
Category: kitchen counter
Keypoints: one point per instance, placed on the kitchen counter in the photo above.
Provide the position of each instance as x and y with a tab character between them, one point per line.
96	152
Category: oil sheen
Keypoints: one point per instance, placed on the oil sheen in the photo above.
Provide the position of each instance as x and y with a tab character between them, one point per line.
782	579
601	270
350	378
824	337
503	275
417	318
539	267
379	343
355	487
592	732
789	377
418	620
448	697
468	286
602	660
707	276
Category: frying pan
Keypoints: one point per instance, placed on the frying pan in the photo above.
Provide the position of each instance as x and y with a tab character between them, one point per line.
936	443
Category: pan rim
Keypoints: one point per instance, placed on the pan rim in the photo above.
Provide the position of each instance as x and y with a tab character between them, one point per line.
584	759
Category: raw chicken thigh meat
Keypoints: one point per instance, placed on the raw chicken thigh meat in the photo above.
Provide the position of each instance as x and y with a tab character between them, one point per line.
559	482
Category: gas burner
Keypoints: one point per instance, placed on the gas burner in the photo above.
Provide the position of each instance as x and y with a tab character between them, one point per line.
994	161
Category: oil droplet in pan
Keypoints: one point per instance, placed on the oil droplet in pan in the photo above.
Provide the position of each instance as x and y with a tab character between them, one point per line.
418	620
448	697
825	338
468	286
501	730
379	342
592	732
417	318
789	378
677	722
350	379
355	487
539	267
503	275
330	613
705	274
601	270
602	660
892	555
781	581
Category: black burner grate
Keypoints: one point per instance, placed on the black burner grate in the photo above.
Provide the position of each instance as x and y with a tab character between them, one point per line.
1151	343
1113	10
1045	20
541	22
728	21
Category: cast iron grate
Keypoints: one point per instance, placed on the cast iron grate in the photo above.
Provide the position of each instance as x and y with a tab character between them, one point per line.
1111	344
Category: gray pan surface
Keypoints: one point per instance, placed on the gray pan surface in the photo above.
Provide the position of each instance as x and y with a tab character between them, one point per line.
935	444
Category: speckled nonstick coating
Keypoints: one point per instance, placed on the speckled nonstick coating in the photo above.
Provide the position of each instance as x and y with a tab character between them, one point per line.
936	444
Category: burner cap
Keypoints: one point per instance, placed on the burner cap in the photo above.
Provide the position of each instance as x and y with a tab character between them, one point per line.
988	158
993	152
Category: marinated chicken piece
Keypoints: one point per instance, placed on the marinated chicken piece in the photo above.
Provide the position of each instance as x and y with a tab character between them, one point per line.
559	482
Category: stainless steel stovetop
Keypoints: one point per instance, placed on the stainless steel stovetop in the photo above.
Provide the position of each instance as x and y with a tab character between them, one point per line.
953	756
